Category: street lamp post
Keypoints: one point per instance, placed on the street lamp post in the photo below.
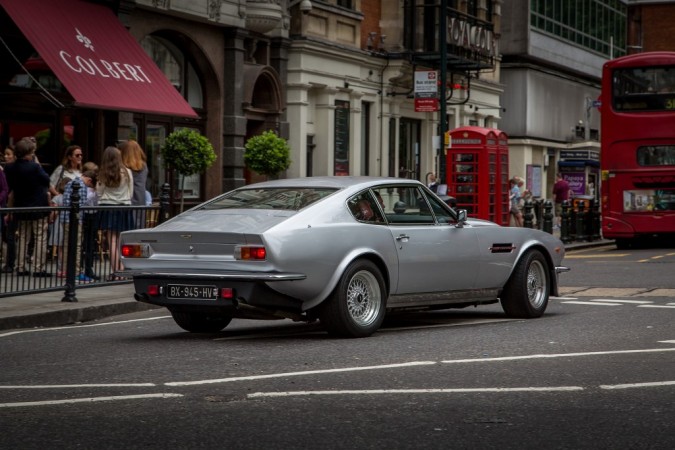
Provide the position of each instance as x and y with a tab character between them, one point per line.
443	49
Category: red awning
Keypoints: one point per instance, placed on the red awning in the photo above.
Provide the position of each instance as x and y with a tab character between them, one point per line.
94	56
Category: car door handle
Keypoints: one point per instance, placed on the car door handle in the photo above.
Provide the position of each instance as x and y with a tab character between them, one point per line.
403	238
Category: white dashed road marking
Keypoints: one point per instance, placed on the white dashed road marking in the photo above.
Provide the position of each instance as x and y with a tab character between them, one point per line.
89	400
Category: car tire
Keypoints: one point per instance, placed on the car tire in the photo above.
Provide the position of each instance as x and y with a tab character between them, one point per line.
357	306
527	291
199	322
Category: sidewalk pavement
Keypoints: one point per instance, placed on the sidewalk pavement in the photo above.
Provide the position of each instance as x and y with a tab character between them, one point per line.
45	309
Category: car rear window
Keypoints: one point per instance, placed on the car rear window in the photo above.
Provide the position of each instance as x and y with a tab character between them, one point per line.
292	199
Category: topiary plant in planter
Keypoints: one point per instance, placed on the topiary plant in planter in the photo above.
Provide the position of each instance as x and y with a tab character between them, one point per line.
267	154
187	152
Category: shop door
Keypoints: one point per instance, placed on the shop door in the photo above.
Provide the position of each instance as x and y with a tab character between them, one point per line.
409	149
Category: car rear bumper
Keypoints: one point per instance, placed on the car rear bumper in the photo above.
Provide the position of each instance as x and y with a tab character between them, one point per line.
212	275
244	289
561	269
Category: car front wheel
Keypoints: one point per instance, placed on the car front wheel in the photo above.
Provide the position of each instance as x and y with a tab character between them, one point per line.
526	293
357	306
199	322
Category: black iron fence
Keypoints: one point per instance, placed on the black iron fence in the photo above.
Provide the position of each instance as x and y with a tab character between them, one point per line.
65	248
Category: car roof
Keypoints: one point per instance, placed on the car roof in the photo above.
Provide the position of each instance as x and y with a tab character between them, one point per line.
330	182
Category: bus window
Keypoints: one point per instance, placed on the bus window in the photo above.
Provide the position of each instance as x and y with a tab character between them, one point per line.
644	89
656	155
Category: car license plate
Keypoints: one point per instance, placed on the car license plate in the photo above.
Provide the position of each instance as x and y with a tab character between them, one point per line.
194	292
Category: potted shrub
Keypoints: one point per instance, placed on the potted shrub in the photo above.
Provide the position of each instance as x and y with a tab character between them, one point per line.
267	154
187	152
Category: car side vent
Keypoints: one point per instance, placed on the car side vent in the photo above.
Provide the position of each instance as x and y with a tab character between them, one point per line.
502	248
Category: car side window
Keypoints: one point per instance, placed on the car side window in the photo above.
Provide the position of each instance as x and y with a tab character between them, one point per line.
441	213
404	205
364	208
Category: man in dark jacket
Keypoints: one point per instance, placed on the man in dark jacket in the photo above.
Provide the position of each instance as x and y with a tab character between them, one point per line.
28	186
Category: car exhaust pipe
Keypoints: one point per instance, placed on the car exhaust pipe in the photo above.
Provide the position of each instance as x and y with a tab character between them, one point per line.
239	304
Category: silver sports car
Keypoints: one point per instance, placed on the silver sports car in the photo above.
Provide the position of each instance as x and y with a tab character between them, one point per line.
343	250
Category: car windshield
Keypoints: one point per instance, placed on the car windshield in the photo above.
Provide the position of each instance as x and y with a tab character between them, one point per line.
292	199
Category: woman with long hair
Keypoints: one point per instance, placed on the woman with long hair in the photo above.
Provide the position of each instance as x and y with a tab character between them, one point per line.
115	187
70	167
134	158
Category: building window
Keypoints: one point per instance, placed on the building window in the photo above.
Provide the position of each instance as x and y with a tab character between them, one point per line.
598	25
346	3
341	160
177	68
310	155
365	138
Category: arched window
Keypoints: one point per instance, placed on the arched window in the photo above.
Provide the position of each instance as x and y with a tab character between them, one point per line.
177	68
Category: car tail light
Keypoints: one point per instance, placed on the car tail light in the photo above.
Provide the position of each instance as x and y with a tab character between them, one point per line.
226	293
250	253
135	250
153	290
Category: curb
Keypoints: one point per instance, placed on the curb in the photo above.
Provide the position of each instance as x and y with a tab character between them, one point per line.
72	315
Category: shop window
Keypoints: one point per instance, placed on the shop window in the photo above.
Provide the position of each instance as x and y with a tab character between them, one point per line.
176	66
155	136
341	158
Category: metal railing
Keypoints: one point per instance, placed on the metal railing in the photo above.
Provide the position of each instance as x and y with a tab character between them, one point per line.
65	248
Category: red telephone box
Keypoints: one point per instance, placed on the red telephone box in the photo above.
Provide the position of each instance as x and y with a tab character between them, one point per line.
477	172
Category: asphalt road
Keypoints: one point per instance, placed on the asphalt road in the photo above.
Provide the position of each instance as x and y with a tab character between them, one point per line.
597	371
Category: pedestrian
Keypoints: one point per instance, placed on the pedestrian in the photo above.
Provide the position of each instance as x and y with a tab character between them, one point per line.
29	186
90	219
67	202
4	194
70	167
55	236
9	222
134	158
432	182
561	193
514	197
115	187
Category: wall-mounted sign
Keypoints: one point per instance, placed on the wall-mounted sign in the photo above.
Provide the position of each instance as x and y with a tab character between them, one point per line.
471	37
589	155
426	91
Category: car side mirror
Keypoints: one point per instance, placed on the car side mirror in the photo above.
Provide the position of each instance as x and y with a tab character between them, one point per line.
461	218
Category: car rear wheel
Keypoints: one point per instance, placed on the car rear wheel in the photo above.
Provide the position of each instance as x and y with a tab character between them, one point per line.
526	293
200	322
357	306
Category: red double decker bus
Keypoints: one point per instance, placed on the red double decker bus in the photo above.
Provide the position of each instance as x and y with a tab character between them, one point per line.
638	147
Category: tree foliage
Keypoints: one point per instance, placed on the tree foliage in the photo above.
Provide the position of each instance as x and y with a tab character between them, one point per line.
188	152
267	153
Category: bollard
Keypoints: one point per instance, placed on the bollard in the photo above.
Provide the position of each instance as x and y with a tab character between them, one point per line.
528	216
565	222
538	213
595	220
581	222
164	203
74	222
548	217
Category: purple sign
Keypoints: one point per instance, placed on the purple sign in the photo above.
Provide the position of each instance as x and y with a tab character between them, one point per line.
577	181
